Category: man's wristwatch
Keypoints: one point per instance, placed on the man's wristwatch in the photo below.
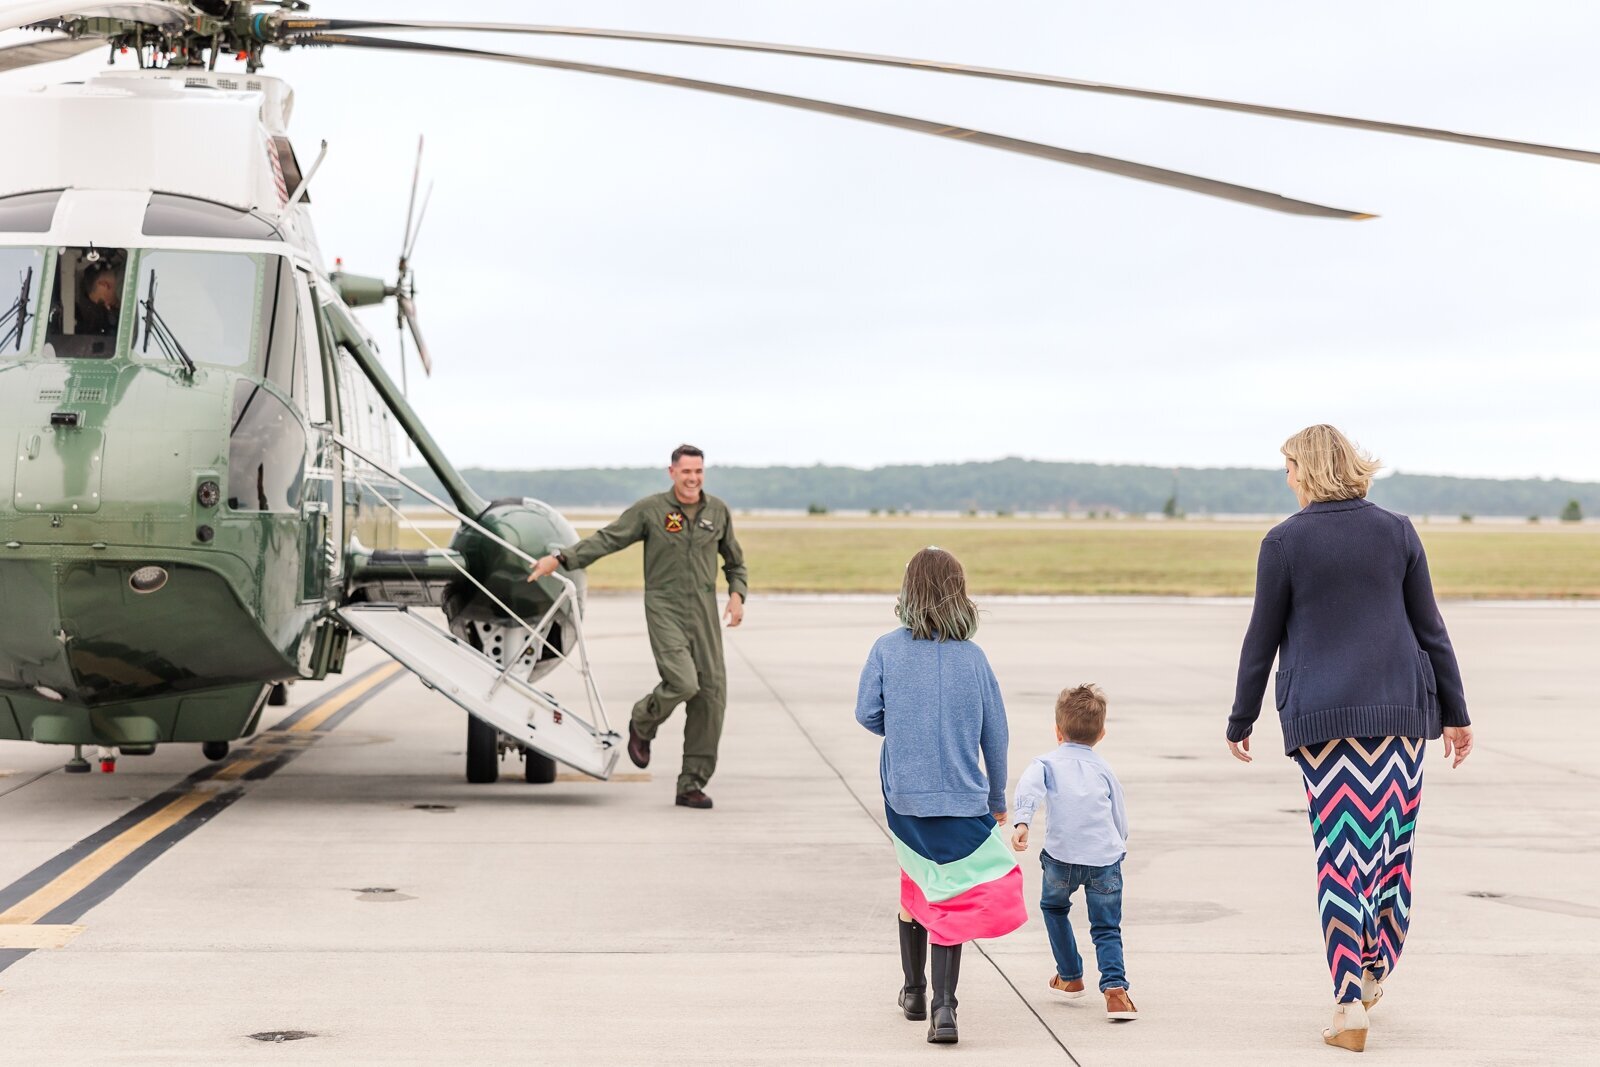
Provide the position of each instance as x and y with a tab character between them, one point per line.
561	558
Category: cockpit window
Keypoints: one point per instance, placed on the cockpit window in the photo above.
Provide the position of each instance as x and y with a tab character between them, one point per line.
86	305
169	215
28	212
197	307
21	282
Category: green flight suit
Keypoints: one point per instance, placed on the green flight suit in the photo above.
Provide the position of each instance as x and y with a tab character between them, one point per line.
681	545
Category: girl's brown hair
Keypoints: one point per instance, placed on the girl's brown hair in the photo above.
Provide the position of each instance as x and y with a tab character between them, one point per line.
933	602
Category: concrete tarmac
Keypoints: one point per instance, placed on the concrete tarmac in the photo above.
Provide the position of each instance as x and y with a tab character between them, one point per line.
366	895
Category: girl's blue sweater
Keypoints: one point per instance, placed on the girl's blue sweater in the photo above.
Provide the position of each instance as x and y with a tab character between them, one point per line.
936	705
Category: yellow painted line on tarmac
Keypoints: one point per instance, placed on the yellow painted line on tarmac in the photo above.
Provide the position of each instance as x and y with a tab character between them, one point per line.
38	935
64	886
355	692
235	769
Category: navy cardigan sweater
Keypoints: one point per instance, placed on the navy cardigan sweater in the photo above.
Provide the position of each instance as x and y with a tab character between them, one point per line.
1344	601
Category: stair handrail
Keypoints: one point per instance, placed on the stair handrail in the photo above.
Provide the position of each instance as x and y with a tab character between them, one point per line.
569	589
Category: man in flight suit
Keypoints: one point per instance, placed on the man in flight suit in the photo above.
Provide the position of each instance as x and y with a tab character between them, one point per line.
683	530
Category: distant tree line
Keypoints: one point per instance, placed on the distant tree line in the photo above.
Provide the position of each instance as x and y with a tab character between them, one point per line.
1012	485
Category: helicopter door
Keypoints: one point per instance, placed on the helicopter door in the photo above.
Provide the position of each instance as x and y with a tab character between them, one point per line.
323	508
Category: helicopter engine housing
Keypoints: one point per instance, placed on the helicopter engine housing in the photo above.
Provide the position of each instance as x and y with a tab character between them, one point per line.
536	528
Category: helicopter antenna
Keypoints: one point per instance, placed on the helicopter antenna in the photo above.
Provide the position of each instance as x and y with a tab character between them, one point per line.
305	182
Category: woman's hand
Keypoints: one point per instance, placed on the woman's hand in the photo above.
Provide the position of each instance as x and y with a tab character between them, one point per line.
1241	750
1000	817
1459	739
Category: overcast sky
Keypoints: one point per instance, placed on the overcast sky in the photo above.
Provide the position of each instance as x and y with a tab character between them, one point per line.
609	268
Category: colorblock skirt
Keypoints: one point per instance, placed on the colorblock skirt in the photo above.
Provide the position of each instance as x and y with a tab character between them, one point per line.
1364	793
958	877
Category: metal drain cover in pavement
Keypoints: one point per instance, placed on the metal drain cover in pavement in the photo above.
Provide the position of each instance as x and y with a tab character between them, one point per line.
434	807
276	1036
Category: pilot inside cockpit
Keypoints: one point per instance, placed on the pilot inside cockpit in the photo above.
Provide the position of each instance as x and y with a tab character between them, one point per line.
100	306
86	305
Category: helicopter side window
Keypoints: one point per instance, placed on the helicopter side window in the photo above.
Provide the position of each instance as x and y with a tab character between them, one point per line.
266	451
21	282
197	307
87	303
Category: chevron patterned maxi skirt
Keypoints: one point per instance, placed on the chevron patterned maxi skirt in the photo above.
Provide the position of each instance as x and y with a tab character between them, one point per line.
1363	794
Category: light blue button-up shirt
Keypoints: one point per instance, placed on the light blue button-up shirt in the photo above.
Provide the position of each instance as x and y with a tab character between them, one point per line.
1085	820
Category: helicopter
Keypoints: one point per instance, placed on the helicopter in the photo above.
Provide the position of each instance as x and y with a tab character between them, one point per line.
204	500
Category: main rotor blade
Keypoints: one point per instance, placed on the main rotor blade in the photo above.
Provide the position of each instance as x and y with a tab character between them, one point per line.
17	56
157	12
1057	81
409	310
1143	172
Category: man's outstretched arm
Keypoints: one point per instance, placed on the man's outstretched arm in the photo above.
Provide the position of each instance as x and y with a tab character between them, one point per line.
613	537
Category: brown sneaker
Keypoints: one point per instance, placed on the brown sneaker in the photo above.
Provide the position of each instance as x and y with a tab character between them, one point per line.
1119	1005
694	798
638	748
1069	990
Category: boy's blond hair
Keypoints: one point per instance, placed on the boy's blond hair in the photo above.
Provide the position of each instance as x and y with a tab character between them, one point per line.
1081	713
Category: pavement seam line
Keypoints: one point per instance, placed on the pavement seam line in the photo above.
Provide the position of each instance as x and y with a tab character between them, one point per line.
27	781
823	756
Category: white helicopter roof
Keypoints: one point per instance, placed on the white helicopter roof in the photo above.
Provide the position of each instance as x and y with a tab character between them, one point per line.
123	134
193	133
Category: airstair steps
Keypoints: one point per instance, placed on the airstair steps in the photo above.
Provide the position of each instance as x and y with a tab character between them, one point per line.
526	715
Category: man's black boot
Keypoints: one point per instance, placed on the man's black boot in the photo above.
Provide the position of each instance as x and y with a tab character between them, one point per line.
914	962
942	1012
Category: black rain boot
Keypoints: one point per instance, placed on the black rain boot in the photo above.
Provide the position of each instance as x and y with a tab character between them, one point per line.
942	1013
914	962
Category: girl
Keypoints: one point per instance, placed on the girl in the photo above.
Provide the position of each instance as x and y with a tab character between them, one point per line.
929	692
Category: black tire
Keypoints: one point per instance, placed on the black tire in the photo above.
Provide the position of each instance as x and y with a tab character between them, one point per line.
280	695
483	752
214	750
537	769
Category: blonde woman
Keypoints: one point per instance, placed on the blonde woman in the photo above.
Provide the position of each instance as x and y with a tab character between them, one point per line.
1366	675
927	690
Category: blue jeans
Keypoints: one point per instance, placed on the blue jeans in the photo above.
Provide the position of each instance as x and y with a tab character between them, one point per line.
1102	890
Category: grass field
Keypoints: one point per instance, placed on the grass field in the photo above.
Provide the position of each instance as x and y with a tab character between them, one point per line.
1192	558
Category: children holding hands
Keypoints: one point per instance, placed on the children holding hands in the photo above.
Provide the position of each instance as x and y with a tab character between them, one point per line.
1086	835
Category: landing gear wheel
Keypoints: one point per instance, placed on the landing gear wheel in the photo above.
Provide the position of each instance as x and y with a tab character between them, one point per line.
536	768
214	750
280	695
483	752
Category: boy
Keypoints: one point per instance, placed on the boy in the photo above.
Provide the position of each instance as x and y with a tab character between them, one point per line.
1085	839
